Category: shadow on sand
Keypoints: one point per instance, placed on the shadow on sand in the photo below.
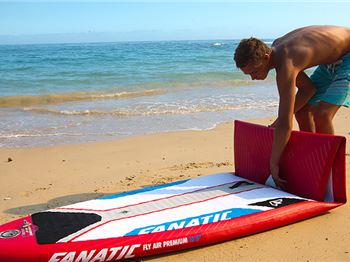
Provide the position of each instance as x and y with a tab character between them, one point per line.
60	201
53	203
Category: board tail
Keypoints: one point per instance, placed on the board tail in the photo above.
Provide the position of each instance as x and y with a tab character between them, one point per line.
313	164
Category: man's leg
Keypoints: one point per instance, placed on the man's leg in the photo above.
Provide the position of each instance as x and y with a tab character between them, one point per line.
323	116
305	118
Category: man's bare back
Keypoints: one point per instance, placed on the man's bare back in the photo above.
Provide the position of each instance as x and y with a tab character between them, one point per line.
312	45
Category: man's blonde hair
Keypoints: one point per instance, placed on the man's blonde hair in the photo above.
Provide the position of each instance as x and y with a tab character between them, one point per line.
250	50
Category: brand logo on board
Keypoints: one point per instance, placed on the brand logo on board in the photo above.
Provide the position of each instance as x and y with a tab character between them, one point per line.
194	221
9	233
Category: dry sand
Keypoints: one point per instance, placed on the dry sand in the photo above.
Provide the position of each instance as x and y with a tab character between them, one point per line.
36	179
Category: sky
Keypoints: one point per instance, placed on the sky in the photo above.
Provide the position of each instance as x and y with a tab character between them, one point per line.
109	21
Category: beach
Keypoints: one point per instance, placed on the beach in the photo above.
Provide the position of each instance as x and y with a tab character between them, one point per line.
37	178
117	124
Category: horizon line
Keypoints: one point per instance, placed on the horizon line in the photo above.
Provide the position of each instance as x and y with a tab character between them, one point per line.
266	39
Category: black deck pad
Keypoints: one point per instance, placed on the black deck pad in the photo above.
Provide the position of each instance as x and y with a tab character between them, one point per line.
53	226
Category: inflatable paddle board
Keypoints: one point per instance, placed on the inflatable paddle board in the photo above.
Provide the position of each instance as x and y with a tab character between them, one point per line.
189	213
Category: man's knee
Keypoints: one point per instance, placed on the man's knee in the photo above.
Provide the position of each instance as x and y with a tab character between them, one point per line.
325	112
303	116
322	116
323	121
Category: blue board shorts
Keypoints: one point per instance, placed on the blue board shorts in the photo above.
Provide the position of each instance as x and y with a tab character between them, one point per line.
332	83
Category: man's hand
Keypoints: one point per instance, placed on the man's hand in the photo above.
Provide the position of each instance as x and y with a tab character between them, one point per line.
281	183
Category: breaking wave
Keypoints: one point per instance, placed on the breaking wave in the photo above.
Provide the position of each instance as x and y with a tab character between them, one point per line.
25	101
150	89
158	109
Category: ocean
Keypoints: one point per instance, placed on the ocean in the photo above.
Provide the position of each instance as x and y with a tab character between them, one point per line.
52	94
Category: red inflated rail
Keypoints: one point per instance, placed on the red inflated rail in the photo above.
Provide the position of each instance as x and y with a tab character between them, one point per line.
309	163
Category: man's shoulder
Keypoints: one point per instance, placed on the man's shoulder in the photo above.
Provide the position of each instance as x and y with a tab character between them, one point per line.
289	55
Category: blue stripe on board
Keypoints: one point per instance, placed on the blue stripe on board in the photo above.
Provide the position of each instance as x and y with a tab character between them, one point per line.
194	221
142	190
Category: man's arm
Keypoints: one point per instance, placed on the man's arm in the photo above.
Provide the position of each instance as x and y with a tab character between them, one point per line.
286	82
306	90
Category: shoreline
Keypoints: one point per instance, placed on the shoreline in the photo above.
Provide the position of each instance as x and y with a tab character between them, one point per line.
40	178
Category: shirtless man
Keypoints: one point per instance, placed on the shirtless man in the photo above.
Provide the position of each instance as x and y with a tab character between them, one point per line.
318	97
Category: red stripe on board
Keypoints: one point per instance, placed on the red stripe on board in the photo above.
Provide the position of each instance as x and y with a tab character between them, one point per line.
168	208
149	201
